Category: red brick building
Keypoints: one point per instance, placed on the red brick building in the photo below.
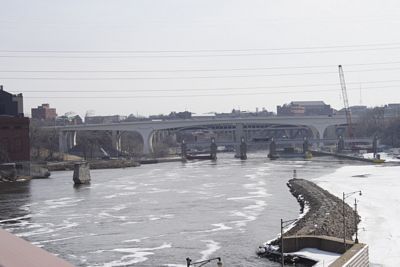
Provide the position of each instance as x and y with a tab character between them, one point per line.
44	112
14	138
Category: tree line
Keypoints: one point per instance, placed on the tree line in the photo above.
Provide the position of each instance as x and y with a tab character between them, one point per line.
374	123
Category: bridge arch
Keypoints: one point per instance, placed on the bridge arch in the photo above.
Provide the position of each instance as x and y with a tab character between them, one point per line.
146	137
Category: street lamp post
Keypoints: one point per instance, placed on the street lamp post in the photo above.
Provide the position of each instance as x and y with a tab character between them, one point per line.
346	195
201	263
355	220
283	225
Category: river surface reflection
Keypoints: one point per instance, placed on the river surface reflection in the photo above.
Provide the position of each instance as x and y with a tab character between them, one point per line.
157	215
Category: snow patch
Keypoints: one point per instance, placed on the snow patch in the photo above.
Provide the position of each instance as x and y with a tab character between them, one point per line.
378	206
323	258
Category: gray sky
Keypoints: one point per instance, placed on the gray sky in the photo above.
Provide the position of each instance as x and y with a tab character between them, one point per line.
270	52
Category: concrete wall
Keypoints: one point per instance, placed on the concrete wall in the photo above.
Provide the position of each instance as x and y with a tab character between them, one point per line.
361	259
356	255
326	243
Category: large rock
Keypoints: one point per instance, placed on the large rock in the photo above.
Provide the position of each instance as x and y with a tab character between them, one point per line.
81	173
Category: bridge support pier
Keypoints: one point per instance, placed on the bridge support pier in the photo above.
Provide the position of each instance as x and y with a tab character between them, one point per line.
243	149
239	134
62	142
320	130
116	140
66	140
147	135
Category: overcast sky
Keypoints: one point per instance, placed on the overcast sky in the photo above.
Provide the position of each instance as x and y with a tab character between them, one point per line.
156	56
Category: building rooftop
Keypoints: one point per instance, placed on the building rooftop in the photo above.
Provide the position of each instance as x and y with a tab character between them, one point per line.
308	103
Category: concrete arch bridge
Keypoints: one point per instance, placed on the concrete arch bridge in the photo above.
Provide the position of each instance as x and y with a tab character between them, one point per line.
239	127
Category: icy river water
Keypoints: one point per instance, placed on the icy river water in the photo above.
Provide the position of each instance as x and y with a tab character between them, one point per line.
157	215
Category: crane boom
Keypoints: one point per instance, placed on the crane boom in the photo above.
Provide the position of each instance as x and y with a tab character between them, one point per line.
346	101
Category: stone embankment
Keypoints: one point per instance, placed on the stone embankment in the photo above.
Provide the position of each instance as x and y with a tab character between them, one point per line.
8	173
325	214
98	164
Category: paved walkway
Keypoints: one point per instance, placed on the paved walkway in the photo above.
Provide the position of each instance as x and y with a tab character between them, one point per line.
16	252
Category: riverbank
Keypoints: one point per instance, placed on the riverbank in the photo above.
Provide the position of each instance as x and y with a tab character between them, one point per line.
109	164
96	164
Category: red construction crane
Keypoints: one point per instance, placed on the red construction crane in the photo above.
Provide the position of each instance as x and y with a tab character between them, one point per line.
346	102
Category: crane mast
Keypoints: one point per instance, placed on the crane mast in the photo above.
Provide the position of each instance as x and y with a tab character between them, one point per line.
346	101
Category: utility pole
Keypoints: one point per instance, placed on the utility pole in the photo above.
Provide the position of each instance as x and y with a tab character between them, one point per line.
282	255
355	220
346	195
344	224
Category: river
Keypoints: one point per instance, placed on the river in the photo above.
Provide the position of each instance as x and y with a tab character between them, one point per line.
157	215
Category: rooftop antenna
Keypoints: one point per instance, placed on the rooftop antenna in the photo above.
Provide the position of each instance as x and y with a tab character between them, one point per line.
360	94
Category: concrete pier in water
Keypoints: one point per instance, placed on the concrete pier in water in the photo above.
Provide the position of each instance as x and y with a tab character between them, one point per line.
81	173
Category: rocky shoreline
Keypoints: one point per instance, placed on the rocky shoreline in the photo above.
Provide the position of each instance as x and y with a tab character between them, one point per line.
325	215
321	214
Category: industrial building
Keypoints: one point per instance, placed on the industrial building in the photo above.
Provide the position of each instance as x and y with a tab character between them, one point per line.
104	119
11	105
305	108
44	112
14	128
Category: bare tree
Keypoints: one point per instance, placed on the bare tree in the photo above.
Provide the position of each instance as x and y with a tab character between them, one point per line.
373	123
42	139
132	143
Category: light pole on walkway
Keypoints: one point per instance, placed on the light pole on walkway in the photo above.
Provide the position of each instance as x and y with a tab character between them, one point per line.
346	195
201	263
283	225
355	220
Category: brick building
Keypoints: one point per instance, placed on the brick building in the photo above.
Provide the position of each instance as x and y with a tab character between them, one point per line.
44	112
305	108
14	138
14	128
